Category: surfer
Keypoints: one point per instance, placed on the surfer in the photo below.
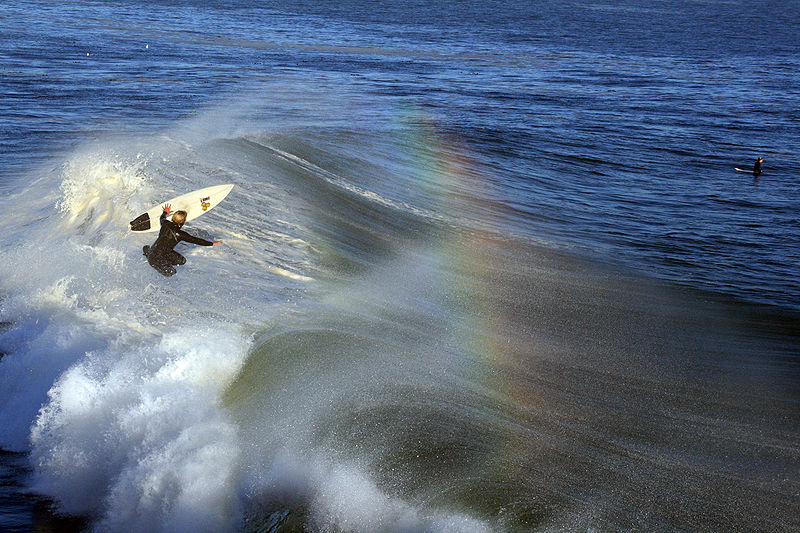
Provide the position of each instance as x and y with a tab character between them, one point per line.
757	167
161	255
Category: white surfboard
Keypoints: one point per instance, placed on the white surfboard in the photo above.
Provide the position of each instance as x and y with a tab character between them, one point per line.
195	203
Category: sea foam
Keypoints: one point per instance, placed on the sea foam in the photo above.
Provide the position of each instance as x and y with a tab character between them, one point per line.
134	435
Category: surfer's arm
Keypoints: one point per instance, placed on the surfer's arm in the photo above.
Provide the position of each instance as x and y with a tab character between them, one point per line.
183	236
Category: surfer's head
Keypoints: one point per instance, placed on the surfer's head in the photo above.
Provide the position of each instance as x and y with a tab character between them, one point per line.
179	217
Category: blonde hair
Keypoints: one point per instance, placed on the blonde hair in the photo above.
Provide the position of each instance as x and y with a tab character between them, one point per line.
179	217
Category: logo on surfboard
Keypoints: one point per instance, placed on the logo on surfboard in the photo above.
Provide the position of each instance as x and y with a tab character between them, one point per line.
204	202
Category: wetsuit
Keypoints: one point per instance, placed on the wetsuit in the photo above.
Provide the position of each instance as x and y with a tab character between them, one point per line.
757	169
161	255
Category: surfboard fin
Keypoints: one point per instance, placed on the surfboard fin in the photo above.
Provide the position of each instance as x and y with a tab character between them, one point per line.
141	223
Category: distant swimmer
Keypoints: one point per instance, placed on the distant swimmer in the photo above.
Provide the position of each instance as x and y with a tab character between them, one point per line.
161	255
757	167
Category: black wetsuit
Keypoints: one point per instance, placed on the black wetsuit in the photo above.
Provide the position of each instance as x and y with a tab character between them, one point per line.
161	255
757	169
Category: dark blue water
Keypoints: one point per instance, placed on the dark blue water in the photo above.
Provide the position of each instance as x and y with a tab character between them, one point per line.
539	200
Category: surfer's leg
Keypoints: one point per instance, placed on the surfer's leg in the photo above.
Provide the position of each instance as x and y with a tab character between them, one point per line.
165	269
176	259
162	265
145	250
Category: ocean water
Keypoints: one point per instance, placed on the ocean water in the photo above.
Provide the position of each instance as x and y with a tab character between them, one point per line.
487	266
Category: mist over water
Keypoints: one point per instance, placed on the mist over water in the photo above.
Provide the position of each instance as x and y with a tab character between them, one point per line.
492	276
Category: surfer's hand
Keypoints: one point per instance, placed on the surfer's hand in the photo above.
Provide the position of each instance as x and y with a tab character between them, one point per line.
215	243
167	208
